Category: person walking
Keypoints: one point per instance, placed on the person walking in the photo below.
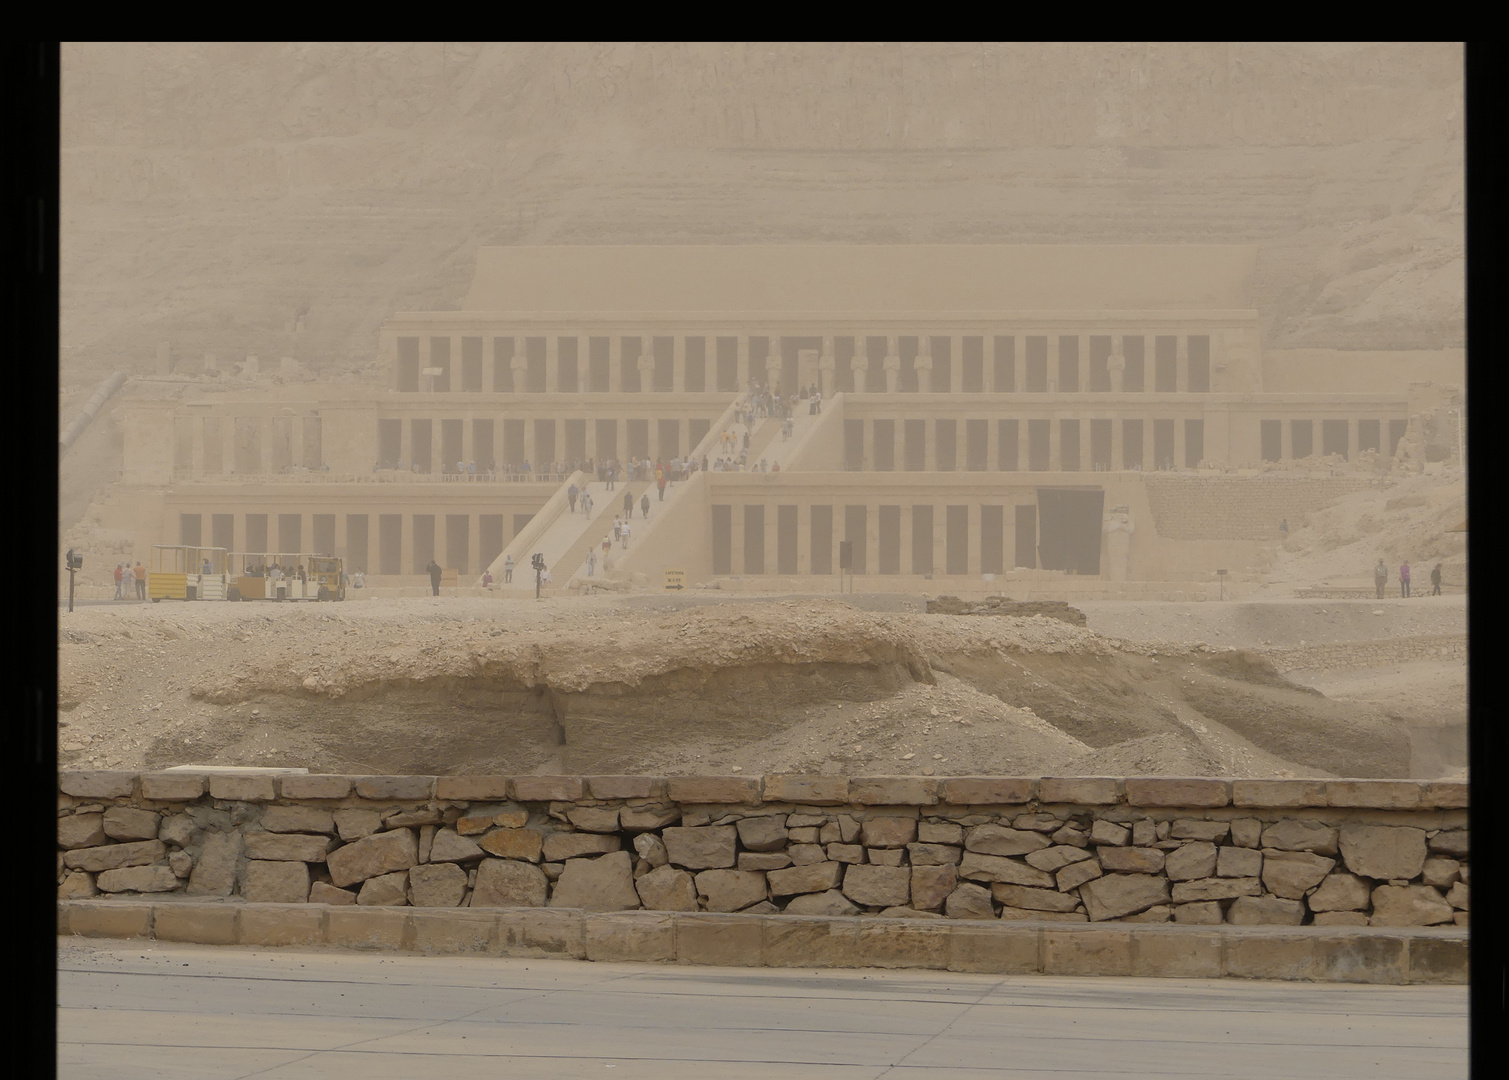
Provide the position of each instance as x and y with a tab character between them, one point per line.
660	486
139	574
507	569
120	580
1380	576
433	569
591	563
1404	579
1435	580
644	504
625	536
571	494
628	503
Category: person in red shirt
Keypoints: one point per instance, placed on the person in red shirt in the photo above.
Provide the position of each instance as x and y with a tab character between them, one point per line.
120	579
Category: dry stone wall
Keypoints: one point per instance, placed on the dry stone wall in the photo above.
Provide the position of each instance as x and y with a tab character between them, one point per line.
1096	849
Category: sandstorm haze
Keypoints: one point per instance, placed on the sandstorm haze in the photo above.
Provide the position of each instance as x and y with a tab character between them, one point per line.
211	194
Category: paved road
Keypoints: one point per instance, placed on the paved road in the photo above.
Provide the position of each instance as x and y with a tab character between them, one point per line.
150	1009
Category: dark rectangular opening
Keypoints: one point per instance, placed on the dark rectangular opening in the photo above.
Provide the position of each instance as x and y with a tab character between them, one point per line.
664	351
1070	536
568	367
440	359
639	439
1333	437
223	531
885	445
1133	351
408	364
1100	445
754	538
697	431
1199	363
670	439
992	540
1163	444
856	524
358	549
190	530
1272	436
450	446
1068	446
422	438
1131	444
1396	430
854	445
916	444
972	375
822	539
256	533
723	534
890	539
503	365
291	533
513	442
1165	364
424	543
323	528
1194	443
1008	446
484	450
1100	368
544	444
534	373
390	543
520	523
785	540
1038	435
728	365
1025	539
922	539
489	539
1037	365
976	444
696	365
471	364
1302	439
389	443
607	439
956	540
1068	363
598	377
575	432
457	542
943	365
1004	362
947	434
628	364
1369	435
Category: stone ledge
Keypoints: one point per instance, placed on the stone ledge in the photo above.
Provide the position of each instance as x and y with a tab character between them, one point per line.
1314	954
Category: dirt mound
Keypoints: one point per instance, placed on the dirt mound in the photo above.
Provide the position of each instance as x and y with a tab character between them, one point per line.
1004	605
594	685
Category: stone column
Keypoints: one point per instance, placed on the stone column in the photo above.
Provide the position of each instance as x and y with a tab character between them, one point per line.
1023	445
1055	445
426	357
591	446
1118	446
196	447
827	366
906	538
867	461
930	444
892	364
295	440
227	445
1181	365
490	360
804	538
615	363
654	437
406	556
437	457
474	546
678	363
406	442
923	364
940	540
552	364
1179	444
1085	456
972	541
623	446
743	365
772	539
646	364
872	537
583	364
268	434
988	360
519	365
341	538
956	364
992	444
1052	340
1286	440
1084	363
736	541
1354	446
1116	363
859	363
468	439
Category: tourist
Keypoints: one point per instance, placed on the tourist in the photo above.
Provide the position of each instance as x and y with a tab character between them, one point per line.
120	579
644	504
618	528
487	579
1380	576
359	580
1404	579
139	572
628	503
1435	580
571	493
587	503
433	569
624	535
659	486
591	562
507	569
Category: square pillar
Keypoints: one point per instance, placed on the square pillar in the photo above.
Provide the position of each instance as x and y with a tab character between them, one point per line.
341	538
872	537
867	461
743	363
955	364
1118	447
736	540
678	363
1179	444
1085	454
296	440
196	447
426	382
1024	444
1181	368
268	429
972	537
468	440
474	545
227	445
615	363
623	444
992	444
988	362
1286	440
772	539
552	364
583	365
592	439
1055	445
1084	364
490	363
1052	365
437	456
406	442
654	436
407	567
930	445
940	541
804	538
1353	445
906	538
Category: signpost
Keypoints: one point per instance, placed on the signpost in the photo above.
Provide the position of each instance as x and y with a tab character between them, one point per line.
675	579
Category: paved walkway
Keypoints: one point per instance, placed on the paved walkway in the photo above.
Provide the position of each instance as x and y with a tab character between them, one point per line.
150	1009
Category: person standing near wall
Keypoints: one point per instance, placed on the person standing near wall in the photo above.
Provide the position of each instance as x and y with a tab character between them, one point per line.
433	569
507	569
139	573
1380	576
628	503
1404	579
644	504
120	580
1435	580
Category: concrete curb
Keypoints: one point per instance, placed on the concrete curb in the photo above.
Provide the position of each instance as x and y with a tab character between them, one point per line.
1300	953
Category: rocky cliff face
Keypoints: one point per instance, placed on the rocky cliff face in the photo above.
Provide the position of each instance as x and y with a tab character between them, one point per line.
284	199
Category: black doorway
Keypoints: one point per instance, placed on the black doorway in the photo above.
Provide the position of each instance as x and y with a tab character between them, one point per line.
1069	533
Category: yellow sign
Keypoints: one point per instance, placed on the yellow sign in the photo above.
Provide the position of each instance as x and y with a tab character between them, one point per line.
675	579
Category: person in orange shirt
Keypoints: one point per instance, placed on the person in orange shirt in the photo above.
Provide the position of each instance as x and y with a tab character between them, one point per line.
139	572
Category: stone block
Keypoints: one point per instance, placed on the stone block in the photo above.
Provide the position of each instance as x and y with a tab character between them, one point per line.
626	787
779	860
1318	955
397	788
82	831
1131	860
286	847
844	853
1196	859
1459	897
730	890
805	835
172	787
793	941
1437	960
987	790
380	853
876	856
888	832
1078	791
878	886
1294	835
1340	918
1185	892
1239	862
507	883
1176	791
366	928
598	819
762	833
811	789
1199	829
450	846
514	843
1158	913
202	924
969	901
1442	873
385	890
708	847
1201	913
1383	852
1144	832
719	940
1265	911
634	819
1409	905
1116	895
275	924
630	937
356	824
932	884
403	819
176	829
314	786
932	854
1053	859
901	943
249	787
1176	954
1043	823
1444	795
602	884
298	819
1069	836
77	885
322	892
1076	874
1097	951
1019	896
1290	874
1451	842
275	882
1247	832
1011	914
940	832
138	879
109	918
1109	834
666	888
215	870
97	784
698	790
811	878
893	791
1278	793
453	933
997	840
181	862
829	903
994	950
559	846
115	856
437	884
1379	794
471	788
977	867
